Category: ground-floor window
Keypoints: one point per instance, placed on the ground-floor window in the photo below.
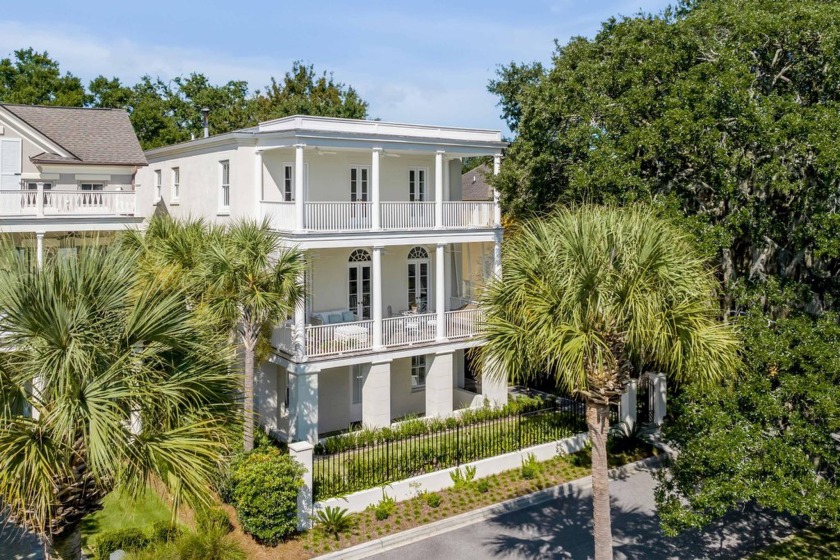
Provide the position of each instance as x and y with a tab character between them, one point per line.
418	372
358	378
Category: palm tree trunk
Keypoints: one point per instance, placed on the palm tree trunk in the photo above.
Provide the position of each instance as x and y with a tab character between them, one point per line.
248	389
68	546
598	420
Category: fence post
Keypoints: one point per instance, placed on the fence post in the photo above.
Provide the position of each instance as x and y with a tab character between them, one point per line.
302	452
627	406
658	386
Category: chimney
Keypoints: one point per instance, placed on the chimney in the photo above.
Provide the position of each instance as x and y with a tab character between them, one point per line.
205	119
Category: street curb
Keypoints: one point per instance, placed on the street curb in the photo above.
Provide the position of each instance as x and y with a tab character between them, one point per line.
390	542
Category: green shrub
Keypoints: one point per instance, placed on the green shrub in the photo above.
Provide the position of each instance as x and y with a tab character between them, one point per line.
334	520
129	540
385	508
433	499
213	518
530	467
164	531
483	486
462	479
209	545
265	489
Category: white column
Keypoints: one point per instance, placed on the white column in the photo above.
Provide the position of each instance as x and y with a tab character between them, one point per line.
376	307
660	398
39	202
627	406
299	334
497	253
302	452
376	207
39	245
440	383
440	291
303	404
259	194
497	209
494	387
300	224
376	395
439	188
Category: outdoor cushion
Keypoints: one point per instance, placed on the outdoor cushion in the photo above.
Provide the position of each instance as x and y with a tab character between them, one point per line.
348	316
334	318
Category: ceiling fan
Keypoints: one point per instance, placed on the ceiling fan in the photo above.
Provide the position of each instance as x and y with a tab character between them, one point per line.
321	152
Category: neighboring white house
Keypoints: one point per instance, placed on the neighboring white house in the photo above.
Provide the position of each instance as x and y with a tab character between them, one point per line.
65	171
396	258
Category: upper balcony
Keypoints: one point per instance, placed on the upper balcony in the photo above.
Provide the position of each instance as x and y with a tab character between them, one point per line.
392	216
31	203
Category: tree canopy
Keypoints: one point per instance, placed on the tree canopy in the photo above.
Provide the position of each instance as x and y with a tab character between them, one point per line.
166	112
725	113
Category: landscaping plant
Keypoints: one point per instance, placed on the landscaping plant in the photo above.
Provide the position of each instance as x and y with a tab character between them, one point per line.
462	479
385	507
334	520
530	467
129	540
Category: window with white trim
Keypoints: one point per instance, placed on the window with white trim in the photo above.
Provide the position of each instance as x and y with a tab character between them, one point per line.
158	183
288	182
417	184
358	382
176	183
418	373
91	186
359	184
418	278
224	203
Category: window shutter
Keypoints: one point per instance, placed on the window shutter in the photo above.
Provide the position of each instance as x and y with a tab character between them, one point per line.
10	164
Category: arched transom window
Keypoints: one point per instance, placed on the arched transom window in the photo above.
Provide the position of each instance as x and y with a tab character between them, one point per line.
360	255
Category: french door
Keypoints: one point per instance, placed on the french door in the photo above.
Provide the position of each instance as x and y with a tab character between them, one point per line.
359	288
360	190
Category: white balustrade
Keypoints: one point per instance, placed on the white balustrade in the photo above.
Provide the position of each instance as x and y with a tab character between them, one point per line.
408	215
67	202
467	214
464	323
408	330
282	338
338	216
280	214
340	338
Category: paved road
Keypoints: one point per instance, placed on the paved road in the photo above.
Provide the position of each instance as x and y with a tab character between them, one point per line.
562	529
18	545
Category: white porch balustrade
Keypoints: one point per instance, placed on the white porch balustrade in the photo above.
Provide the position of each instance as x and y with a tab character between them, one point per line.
281	215
27	202
357	337
338	216
467	214
408	215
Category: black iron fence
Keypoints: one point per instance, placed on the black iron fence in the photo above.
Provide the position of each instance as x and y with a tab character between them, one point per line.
379	462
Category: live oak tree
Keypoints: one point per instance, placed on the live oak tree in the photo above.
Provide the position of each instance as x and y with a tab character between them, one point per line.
33	78
105	382
594	295
725	113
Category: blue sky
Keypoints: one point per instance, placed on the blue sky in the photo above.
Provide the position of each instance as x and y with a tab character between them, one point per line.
414	62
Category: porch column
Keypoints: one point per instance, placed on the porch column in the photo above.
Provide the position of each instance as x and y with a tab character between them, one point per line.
376	216
440	291
439	162
376	395
376	304
440	383
660	397
300	224
627	406
497	209
258	181
497	253
39	243
303	453
299	334
303	404
494	384
39	201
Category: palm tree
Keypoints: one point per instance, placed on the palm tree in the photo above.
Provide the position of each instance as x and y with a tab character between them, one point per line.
591	296
105	382
253	283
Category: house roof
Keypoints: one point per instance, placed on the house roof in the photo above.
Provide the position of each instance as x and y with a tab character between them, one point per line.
89	136
474	184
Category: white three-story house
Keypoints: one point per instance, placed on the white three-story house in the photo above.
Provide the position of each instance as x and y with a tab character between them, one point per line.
66	176
395	255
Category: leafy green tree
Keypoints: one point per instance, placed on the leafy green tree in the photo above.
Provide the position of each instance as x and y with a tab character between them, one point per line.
765	437
122	382
153	116
253	283
593	295
111	94
305	92
725	111
231	105
33	78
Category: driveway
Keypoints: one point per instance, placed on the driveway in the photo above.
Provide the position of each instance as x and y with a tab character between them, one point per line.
562	529
18	545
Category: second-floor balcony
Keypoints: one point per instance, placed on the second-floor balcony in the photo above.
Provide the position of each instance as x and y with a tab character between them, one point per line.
365	216
65	203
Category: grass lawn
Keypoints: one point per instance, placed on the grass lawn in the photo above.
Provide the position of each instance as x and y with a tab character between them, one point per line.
807	545
121	512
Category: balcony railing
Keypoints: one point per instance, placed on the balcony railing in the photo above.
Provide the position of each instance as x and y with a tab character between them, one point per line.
397	332
358	216
66	203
